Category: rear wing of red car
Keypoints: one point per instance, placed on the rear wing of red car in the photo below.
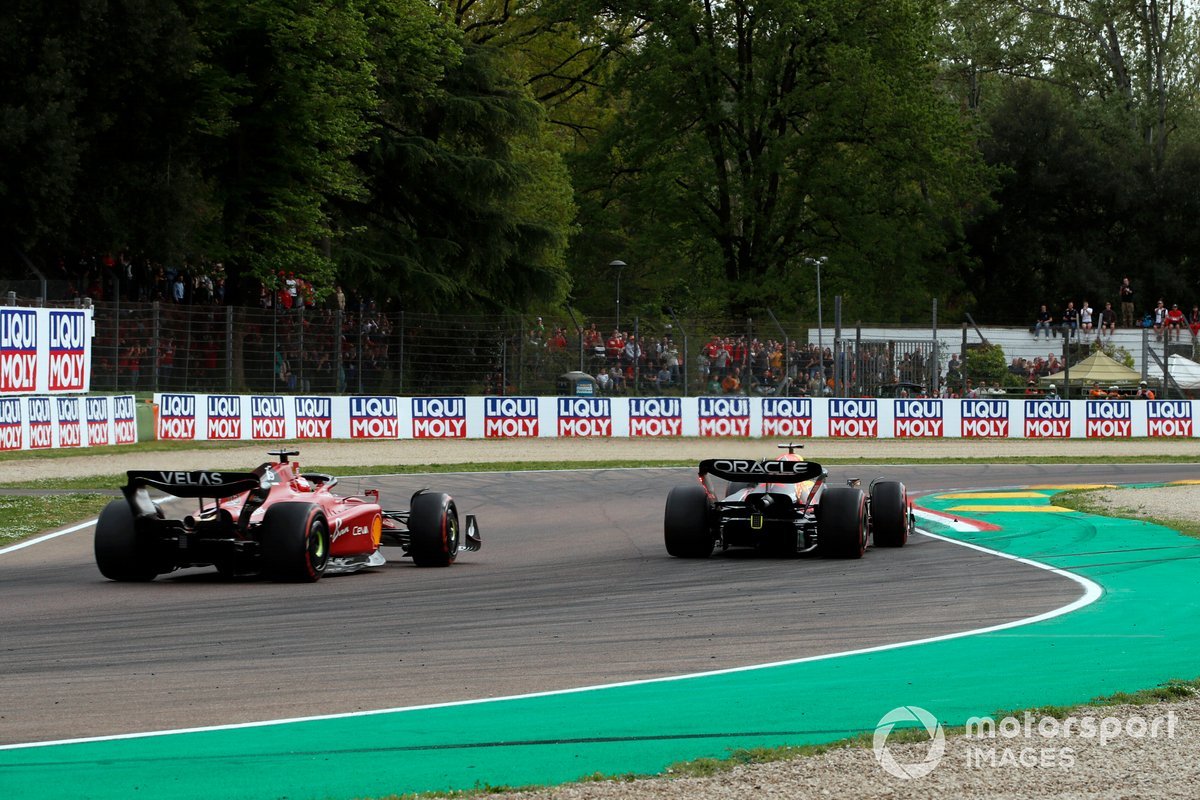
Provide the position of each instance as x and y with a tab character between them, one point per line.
745	470
183	483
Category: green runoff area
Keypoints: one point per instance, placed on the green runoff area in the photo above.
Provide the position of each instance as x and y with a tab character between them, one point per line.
1140	632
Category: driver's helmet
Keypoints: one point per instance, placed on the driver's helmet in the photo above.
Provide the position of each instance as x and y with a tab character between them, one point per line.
302	484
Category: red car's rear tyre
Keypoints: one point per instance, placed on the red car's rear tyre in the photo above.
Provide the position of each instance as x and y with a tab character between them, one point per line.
294	538
433	530
119	555
842	526
889	514
686	527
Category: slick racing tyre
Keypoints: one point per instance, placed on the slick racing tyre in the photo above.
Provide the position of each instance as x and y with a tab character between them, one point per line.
686	523
119	554
433	530
294	538
842	526
889	514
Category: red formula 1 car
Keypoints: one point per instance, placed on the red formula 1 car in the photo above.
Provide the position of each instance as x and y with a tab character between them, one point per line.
783	506
275	521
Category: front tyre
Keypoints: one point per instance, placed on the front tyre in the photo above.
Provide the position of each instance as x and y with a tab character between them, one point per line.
686	528
842	530
889	514
433	530
119	554
294	538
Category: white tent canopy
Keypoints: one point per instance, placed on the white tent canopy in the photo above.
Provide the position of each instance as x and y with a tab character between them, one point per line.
1184	371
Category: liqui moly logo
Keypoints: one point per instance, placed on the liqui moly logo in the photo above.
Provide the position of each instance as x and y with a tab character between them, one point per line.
655	416
985	419
177	416
66	351
124	420
439	417
1047	419
224	416
267	417
510	417
41	423
853	418
1109	419
95	411
70	428
10	423
18	350
314	417
918	419
1168	418
724	416
787	417
375	417
584	416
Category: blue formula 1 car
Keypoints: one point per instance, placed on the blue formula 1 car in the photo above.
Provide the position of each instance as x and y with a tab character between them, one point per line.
783	506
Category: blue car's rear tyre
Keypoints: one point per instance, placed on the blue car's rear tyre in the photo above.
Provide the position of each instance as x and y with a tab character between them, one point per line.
890	520
119	553
687	525
842	523
294	538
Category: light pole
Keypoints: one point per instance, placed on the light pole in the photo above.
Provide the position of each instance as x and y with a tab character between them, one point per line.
618	265
820	322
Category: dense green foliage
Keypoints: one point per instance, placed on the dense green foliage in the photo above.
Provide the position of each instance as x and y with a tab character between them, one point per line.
498	154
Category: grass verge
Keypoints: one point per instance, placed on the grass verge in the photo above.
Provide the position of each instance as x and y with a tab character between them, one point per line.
24	516
1088	501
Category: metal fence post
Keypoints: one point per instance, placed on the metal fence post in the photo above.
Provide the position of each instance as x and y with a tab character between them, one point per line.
156	333
229	348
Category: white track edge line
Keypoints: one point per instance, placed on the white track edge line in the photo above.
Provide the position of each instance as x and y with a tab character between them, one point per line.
1091	593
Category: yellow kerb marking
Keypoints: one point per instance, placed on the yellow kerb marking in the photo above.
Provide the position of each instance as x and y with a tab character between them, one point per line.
1009	509
993	496
1184	483
1067	486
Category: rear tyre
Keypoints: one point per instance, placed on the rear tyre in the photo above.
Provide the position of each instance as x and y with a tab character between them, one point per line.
295	542
842	530
889	514
433	530
119	555
686	523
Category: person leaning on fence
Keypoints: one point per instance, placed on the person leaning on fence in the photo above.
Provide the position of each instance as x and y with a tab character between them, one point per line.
1144	392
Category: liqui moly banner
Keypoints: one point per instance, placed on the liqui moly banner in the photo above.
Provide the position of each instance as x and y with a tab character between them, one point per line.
70	422
724	416
918	418
124	418
176	416
45	351
11	424
268	417
853	418
984	419
439	417
1169	418
1047	419
584	416
787	417
655	416
510	417
314	417
1109	419
98	419
375	417
39	411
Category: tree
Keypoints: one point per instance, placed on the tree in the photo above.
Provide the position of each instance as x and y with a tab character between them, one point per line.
749	135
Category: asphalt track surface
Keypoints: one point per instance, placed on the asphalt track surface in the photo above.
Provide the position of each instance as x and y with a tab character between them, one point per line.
572	588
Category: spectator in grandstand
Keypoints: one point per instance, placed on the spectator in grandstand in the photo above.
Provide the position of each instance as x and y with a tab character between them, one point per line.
1043	322
1194	322
1070	319
1085	317
1144	392
1175	321
670	360
1108	321
1125	293
1159	318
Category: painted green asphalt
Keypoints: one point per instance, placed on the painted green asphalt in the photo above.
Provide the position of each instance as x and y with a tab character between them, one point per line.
1140	632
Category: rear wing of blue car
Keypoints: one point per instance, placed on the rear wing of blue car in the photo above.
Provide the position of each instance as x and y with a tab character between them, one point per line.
745	470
